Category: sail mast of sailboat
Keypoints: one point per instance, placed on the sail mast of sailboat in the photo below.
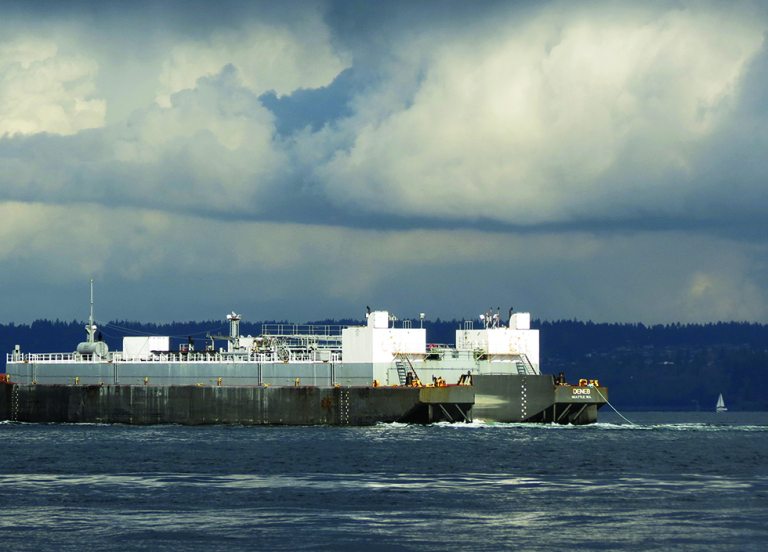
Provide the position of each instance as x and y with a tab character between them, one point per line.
720	404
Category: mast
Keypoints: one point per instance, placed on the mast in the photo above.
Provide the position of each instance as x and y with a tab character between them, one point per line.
90	329
720	404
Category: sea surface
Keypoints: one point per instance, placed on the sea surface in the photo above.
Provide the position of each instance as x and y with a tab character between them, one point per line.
670	481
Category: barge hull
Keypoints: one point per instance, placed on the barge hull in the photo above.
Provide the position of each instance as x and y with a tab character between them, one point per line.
202	405
535	398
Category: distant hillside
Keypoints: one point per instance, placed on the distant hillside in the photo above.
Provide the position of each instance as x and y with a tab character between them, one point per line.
664	367
677	366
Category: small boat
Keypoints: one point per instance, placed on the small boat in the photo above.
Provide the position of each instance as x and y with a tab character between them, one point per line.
720	404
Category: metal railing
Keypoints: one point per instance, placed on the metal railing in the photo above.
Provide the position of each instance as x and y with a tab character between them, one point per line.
307	330
53	358
176	357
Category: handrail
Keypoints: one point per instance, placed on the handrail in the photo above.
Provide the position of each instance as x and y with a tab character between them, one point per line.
410	364
173	357
528	364
306	330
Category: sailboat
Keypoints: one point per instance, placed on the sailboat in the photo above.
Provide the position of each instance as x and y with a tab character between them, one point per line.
720	404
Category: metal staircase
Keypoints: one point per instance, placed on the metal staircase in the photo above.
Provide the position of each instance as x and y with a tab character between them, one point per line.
524	366
401	371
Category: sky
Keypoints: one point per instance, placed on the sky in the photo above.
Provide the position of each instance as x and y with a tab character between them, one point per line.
299	161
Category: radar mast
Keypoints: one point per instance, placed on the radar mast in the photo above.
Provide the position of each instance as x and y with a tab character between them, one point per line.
90	329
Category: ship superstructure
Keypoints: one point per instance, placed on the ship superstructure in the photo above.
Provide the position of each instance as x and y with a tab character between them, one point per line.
316	355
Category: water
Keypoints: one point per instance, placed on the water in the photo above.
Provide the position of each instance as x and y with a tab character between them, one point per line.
683	481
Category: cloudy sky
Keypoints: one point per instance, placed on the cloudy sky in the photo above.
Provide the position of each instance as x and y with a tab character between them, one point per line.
301	160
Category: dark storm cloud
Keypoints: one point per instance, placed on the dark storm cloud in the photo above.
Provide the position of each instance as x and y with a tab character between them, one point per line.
372	23
184	15
693	197
611	153
334	115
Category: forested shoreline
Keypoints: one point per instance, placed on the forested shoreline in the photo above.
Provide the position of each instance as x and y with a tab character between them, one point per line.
675	366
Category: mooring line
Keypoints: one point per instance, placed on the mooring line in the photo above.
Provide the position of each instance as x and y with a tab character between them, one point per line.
614	408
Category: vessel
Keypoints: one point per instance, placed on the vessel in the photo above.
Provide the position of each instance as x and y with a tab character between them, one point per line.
382	371
720	404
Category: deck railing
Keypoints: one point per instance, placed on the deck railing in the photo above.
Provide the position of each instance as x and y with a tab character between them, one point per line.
308	330
176	357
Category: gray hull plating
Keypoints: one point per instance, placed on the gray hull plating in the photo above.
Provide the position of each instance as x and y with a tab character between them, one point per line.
236	392
518	398
193	405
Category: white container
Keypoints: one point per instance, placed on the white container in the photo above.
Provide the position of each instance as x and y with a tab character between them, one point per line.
141	348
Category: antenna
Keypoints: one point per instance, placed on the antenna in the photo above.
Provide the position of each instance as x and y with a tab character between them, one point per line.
90	320
90	329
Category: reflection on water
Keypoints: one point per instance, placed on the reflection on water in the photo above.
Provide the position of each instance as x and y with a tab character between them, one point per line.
37	483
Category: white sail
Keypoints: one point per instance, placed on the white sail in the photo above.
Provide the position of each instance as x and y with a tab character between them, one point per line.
720	404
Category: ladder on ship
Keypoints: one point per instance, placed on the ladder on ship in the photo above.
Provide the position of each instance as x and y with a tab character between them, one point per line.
524	366
402	370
